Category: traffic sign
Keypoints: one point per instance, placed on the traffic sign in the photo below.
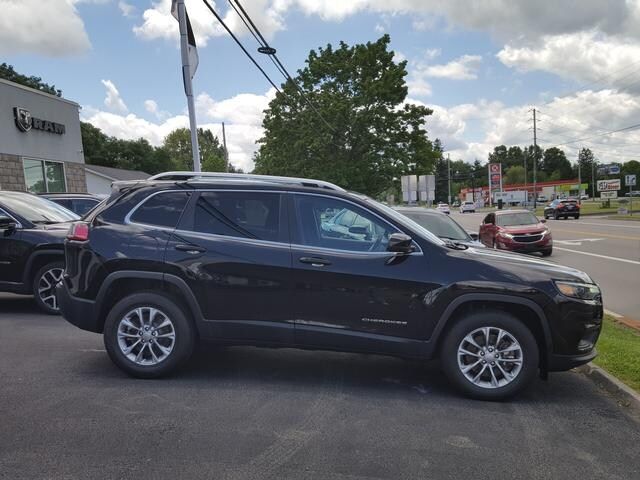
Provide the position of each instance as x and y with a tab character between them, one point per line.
630	180
609	185
608	195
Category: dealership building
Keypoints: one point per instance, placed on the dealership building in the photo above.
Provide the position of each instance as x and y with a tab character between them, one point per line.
40	141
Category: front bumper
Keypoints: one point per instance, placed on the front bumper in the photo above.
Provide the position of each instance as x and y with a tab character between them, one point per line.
78	311
544	244
561	363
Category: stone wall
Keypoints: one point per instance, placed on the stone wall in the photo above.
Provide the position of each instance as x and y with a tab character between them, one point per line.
11	172
76	178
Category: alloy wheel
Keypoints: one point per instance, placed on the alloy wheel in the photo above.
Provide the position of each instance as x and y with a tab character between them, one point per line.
146	336
490	357
47	287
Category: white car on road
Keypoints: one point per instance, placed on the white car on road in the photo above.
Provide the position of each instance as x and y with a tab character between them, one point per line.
443	207
468	207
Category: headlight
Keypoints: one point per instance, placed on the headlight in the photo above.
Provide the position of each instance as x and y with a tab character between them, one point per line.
546	232
505	234
583	291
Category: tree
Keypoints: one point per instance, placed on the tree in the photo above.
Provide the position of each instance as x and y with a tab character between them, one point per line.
94	144
8	73
632	167
178	146
359	133
556	165
514	175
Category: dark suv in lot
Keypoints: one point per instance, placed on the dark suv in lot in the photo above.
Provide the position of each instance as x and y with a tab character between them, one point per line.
32	232
163	264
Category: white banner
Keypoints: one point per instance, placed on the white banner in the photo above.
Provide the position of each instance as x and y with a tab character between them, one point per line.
609	185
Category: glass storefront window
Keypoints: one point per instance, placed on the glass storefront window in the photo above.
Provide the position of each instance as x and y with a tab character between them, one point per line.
41	176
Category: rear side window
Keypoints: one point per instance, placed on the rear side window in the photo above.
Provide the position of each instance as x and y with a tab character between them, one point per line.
239	214
82	206
162	210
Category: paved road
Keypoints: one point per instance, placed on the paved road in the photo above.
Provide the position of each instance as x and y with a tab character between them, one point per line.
608	250
245	413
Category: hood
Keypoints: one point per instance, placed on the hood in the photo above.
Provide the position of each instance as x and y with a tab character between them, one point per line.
527	268
533	228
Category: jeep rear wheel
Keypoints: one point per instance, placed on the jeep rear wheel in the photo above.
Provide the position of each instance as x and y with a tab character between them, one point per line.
148	335
44	287
489	355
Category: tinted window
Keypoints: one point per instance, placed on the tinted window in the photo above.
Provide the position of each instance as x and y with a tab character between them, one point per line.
36	209
239	214
319	225
515	219
82	206
163	209
441	225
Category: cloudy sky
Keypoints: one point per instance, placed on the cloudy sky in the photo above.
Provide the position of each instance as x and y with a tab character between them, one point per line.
480	65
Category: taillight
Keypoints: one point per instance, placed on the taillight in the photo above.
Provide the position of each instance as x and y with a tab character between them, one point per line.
79	231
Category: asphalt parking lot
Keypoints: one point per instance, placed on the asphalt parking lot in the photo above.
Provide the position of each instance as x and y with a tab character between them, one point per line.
245	413
608	250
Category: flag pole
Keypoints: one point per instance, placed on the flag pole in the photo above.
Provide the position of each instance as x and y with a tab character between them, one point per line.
188	87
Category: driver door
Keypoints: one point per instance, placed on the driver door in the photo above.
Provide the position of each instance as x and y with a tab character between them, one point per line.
348	290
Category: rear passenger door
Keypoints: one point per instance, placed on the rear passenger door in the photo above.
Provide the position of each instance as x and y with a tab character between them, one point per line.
232	248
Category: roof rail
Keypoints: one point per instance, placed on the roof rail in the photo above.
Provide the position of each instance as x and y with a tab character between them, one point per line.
208	176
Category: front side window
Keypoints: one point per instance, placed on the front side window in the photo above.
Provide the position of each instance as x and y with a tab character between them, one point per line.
44	177
319	225
239	214
163	209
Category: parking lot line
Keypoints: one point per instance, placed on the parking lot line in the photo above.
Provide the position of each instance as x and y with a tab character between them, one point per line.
634	262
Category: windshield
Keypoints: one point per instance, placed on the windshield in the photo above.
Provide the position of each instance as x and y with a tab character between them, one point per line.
403	220
440	225
36	209
515	219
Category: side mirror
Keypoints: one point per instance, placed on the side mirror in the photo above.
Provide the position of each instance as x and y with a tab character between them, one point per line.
400	243
359	230
474	236
7	223
543	220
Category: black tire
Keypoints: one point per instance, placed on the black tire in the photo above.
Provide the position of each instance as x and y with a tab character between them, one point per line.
556	216
494	319
185	337
576	216
547	253
52	307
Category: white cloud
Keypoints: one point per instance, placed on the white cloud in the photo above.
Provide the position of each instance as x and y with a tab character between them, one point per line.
158	23
242	115
52	28
584	56
463	68
418	87
113	101
127	9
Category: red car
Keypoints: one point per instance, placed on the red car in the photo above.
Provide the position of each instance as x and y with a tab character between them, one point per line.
516	230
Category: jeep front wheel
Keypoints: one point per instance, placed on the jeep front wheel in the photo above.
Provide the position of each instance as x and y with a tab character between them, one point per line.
489	355
44	287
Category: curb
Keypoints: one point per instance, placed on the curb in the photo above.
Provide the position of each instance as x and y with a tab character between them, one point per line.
623	320
624	394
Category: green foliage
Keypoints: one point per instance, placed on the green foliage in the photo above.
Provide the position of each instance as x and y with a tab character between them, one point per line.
619	352
178	145
174	154
373	137
8	73
515	174
556	165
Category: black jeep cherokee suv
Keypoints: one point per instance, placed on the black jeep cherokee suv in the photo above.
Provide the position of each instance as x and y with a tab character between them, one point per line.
250	262
32	232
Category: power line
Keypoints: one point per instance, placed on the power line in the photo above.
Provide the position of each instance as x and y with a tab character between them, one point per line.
215	14
276	60
630	127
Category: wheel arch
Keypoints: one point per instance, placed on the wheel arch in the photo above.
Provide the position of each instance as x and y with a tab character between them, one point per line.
117	285
527	311
37	260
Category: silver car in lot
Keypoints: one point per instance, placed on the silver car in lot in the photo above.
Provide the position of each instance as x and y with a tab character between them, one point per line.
441	225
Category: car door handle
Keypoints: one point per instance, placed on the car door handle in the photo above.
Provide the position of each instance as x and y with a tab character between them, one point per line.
193	249
315	261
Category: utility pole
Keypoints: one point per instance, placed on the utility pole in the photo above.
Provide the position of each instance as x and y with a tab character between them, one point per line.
188	87
224	145
535	159
449	175
593	179
579	175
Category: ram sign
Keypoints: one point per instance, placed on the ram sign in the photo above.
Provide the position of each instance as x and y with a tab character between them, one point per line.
609	185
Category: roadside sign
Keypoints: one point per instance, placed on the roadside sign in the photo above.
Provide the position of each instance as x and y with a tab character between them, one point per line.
609	195
630	180
609	185
610	169
614	169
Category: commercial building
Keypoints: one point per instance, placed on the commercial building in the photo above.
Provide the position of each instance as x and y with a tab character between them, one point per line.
547	190
99	178
40	141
